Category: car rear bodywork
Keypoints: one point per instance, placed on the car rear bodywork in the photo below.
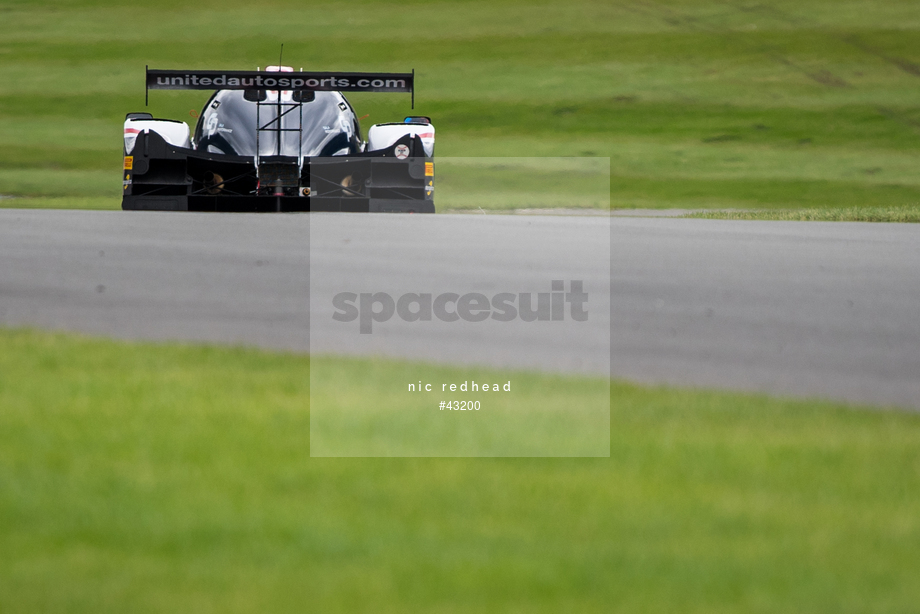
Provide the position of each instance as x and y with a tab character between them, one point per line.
277	150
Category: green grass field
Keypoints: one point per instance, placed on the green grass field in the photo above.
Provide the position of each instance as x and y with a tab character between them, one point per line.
137	477
697	103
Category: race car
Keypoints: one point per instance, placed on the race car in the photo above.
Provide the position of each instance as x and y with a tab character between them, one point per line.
278	140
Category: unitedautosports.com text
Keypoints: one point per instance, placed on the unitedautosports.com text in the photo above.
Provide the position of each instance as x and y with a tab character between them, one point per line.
368	307
259	81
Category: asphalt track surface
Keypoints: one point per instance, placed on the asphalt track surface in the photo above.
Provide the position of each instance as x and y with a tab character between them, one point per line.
790	308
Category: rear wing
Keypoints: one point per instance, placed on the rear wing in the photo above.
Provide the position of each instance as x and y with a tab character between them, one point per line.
286	81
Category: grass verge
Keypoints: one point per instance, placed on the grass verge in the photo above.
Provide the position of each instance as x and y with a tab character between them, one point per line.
163	477
910	213
61	202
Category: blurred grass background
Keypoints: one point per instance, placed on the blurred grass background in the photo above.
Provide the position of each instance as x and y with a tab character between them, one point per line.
141	477
697	103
